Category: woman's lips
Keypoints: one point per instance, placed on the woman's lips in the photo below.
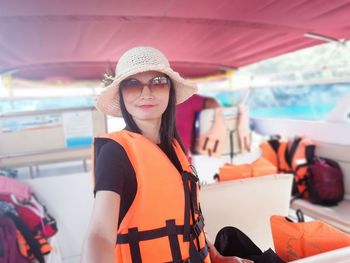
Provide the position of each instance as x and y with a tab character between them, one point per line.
146	106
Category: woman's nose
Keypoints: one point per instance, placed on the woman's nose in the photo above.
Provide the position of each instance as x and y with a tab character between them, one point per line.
146	91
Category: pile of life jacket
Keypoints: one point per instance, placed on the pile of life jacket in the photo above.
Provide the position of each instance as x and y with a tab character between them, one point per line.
317	179
25	224
259	167
296	240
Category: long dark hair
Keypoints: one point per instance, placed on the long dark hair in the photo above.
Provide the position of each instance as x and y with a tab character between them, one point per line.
168	130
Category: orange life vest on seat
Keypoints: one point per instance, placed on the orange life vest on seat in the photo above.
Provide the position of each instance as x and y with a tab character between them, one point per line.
301	155
159	225
259	167
276	150
303	239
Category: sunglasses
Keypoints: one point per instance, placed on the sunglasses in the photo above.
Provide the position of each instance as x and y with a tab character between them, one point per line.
135	87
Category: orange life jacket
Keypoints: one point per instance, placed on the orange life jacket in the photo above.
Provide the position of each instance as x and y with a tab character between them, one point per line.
25	249
291	157
259	167
276	151
301	154
164	222
212	142
303	239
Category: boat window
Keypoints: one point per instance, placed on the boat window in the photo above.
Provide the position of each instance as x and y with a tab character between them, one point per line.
41	104
306	84
307	102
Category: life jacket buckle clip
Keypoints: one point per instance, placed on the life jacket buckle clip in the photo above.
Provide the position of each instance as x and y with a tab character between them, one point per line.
198	226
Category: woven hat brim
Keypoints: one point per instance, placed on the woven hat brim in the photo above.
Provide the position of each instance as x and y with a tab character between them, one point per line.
108	101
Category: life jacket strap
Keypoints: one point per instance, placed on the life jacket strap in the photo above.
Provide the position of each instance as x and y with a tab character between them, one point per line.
187	224
293	149
134	245
173	240
193	179
232	153
190	176
215	146
198	226
205	143
171	228
147	234
202	254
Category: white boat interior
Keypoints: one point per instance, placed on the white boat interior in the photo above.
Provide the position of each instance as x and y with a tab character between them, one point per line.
246	203
67	47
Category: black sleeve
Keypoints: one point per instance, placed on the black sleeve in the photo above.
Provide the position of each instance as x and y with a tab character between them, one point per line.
112	167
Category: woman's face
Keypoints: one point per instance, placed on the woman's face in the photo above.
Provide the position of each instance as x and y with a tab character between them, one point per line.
146	95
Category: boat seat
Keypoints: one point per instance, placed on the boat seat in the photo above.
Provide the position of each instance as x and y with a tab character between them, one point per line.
69	199
246	204
337	216
337	255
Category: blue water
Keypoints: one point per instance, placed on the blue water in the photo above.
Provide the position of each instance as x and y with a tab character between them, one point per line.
298	102
303	112
308	102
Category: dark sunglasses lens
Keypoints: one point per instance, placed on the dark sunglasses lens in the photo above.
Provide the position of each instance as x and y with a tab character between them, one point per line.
131	85
159	82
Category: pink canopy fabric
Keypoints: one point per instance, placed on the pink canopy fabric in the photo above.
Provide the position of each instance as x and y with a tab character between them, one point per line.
80	39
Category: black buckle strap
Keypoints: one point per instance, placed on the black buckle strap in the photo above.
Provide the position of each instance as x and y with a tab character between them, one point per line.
148	234
203	253
191	176
134	234
173	240
187	227
194	197
133	237
134	245
191	208
198	227
292	150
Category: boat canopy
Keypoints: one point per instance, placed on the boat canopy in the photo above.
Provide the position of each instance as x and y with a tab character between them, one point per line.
80	39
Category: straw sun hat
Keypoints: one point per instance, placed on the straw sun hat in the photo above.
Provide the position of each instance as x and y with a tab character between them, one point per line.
136	60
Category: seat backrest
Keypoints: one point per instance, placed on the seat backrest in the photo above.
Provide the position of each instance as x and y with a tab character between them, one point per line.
69	198
246	204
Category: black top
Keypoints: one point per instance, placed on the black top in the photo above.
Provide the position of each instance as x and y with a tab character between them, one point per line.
113	172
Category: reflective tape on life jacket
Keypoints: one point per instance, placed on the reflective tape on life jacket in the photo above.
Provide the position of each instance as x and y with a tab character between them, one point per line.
293	241
301	154
164	222
275	151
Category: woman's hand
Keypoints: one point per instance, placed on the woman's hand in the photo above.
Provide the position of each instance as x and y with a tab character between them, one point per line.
222	259
215	256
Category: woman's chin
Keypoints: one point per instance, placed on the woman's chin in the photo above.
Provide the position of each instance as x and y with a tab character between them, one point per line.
147	116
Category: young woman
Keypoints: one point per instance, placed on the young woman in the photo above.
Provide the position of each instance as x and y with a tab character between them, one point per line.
146	207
